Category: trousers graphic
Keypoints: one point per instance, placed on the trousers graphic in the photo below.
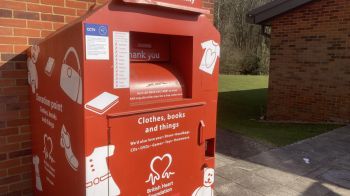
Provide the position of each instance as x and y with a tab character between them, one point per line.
38	185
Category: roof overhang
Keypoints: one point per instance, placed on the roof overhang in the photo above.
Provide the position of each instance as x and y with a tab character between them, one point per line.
263	14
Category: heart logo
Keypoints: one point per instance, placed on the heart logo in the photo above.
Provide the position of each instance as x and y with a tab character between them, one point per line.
210	57
159	168
48	147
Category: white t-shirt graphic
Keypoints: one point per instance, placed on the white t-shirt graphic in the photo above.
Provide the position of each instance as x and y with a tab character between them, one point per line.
211	54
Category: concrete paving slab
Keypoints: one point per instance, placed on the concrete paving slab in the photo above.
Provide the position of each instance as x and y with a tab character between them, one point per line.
343	130
337	190
231	173
234	189
332	194
266	159
259	184
339	177
277	175
318	172
309	187
219	181
222	160
283	191
303	168
238	146
246	165
343	162
299	166
308	149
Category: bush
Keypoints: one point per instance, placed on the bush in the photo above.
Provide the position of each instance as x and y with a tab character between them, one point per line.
251	65
244	50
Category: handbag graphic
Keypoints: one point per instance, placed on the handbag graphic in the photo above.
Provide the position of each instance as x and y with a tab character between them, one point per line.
70	81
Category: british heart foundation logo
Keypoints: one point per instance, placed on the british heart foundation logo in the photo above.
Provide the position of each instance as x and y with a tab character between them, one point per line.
48	148
160	168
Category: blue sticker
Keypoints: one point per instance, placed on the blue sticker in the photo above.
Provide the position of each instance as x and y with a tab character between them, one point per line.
96	30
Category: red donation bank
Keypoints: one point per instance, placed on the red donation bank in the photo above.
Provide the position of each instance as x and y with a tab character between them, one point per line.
123	102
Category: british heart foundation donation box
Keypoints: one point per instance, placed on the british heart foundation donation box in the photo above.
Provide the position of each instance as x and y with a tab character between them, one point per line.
123	102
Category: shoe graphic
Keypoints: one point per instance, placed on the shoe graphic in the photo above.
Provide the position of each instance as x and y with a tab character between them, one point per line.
37	174
65	143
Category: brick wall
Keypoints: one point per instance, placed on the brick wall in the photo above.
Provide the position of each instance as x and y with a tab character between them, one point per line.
23	23
209	5
310	63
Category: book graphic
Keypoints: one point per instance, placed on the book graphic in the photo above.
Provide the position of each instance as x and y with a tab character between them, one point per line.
49	66
102	103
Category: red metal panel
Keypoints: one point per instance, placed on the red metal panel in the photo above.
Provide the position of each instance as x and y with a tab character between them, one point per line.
93	137
145	47
57	118
188	5
161	148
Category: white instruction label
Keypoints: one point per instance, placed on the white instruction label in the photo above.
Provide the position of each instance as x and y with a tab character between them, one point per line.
96	42
121	59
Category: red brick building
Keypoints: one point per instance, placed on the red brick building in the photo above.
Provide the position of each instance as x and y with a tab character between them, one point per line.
310	59
24	23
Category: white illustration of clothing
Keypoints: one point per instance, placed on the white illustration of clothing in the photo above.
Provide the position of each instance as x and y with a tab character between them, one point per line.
66	144
203	191
99	181
210	56
208	181
32	75
34	52
37	173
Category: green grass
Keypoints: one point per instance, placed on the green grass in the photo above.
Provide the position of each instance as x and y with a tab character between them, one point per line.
242	100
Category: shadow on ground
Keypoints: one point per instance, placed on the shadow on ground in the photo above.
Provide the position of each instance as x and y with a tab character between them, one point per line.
241	110
238	146
316	166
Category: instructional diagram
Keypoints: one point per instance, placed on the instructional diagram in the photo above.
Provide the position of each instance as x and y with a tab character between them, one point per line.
121	59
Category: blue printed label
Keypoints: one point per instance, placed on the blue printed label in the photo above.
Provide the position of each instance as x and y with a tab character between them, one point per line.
96	29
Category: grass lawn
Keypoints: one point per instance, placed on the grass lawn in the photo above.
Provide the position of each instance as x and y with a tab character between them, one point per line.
242	100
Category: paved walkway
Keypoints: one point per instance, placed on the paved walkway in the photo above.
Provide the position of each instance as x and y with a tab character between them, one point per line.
316	167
